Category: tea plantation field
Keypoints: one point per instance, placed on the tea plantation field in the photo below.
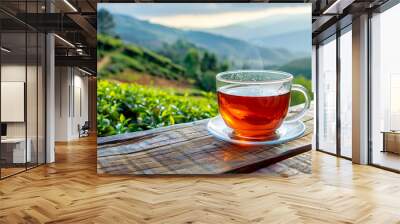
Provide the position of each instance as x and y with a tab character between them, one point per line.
123	107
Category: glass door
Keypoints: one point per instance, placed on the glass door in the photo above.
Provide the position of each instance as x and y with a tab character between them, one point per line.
326	96
22	95
334	94
346	92
14	153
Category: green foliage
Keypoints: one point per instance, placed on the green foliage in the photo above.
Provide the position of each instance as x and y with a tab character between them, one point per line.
107	44
207	81
192	62
177	51
127	62
105	41
132	51
209	62
200	65
298	67
224	66
298	98
156	58
129	107
105	21
128	56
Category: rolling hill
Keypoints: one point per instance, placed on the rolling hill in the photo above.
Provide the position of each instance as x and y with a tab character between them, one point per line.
129	62
152	36
123	56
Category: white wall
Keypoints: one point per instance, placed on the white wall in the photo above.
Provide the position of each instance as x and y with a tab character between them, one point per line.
13	72
61	114
70	83
79	117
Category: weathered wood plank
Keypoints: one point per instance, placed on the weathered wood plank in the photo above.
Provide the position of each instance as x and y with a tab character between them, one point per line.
190	149
134	135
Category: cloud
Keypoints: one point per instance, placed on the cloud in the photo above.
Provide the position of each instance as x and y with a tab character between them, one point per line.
206	20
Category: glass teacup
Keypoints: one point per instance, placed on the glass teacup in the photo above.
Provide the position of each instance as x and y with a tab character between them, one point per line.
255	103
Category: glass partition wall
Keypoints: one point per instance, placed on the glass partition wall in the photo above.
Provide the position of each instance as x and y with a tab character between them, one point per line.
334	93
385	90
13	85
334	88
22	95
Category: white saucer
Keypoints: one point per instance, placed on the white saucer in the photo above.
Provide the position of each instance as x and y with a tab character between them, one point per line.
287	132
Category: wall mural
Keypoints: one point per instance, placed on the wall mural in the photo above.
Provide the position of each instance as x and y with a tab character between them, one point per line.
157	88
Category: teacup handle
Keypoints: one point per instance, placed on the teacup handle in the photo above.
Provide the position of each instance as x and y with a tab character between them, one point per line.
301	113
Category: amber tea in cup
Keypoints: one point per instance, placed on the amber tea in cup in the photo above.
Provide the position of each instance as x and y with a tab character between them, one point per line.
255	103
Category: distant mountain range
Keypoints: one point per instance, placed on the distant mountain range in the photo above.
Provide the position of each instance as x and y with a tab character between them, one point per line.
255	55
300	66
292	33
299	42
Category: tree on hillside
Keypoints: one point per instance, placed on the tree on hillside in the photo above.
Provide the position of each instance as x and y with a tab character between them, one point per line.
206	81
209	62
192	62
106	23
224	66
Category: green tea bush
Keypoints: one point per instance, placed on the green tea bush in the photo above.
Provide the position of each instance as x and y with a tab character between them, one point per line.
132	51
125	107
207	81
129	56
108	43
127	62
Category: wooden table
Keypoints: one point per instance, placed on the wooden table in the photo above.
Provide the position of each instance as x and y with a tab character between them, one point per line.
391	141
189	149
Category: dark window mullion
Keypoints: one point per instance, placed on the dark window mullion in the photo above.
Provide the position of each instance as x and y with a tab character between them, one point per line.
37	91
26	87
369	79
338	74
316	104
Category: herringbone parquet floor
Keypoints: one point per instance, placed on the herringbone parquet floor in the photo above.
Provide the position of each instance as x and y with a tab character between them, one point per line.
69	191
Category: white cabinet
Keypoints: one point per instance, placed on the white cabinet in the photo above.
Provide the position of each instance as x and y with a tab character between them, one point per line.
12	101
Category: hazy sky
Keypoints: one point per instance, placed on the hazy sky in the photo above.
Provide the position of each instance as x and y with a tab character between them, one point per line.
205	15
